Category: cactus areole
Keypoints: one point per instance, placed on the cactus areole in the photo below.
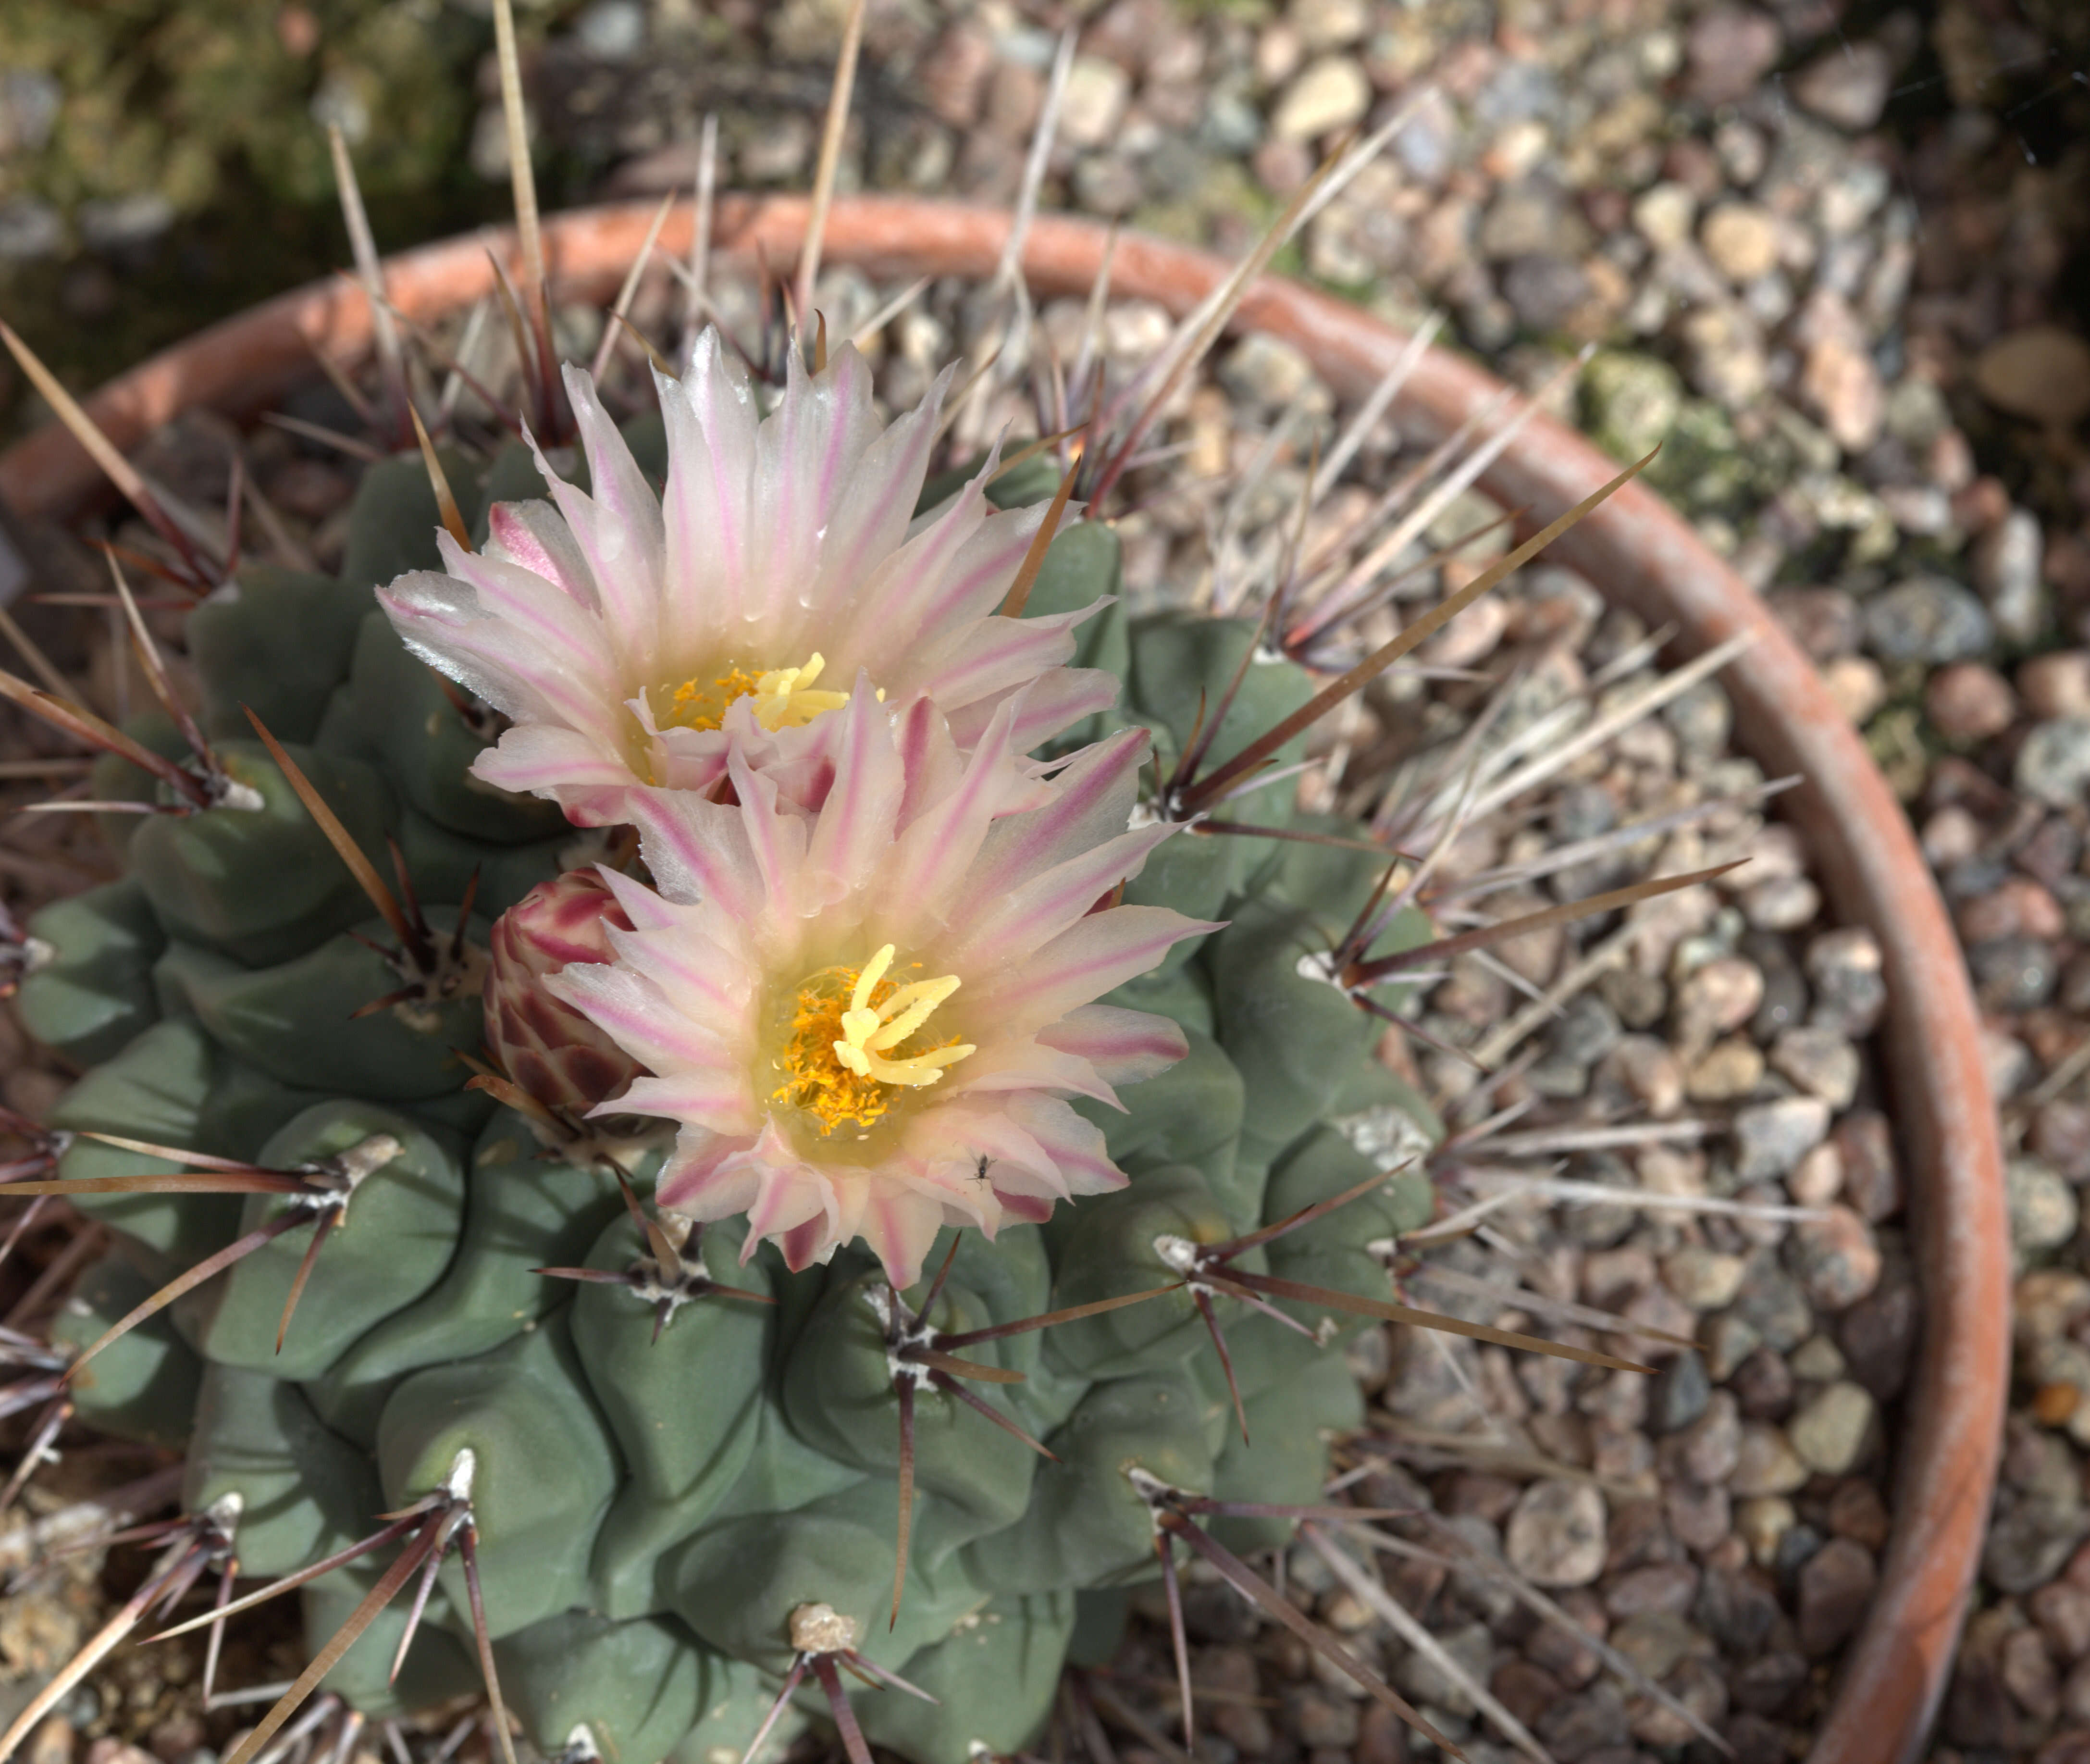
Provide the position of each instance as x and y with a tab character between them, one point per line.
806	1155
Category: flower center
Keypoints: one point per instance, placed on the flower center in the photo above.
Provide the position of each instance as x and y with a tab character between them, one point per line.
847	1052
784	698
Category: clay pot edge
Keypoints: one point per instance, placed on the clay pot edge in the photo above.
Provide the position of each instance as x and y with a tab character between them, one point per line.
1635	549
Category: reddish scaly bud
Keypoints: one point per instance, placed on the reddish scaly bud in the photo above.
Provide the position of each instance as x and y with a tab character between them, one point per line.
546	1046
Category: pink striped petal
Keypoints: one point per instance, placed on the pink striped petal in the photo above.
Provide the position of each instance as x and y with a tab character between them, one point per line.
1019	922
535	535
630	542
1010	1063
969	577
698	853
991	656
854	827
647	910
530	757
709	1176
1093	802
1078	966
1056	701
928	759
899	1223
710	417
707	982
927	861
632	1011
1074	1143
777	844
1124	1046
714	1100
870	519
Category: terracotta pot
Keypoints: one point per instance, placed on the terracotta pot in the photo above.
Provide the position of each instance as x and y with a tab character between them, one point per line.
1635	549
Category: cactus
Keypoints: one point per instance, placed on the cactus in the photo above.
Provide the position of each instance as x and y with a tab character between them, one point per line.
637	1461
457	1242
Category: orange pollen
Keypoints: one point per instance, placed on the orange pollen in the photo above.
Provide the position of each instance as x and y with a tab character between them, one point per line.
696	705
855	1040
784	698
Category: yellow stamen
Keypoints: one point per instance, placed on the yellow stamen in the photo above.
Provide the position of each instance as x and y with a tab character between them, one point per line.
784	698
843	1058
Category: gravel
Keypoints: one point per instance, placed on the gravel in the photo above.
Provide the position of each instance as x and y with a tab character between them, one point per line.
1846	345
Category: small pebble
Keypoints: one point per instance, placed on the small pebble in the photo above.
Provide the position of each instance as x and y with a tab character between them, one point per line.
1843	968
2028	1544
1320	1717
1788	903
1556	1536
1766	1465
2054	765
2041	372
1829	1432
1331	94
1762	1385
2060	1137
1927	618
1856	686
1871	1178
1835	1588
1662	215
2005	560
1969	701
1819	1061
1727	1070
2057	686
1818	1361
2028	1675
1678	1393
1668	1588
1877	1336
2014	974
1704	1279
2062	1612
1729	49
1856	1511
1741	239
1650	1070
1729	1341
1584	1725
1720	995
1711	1445
1771	1684
1818	1177
1761	1523
2043	1208
2017	907
1562	1652
1701	1518
1771	1138
1835	1258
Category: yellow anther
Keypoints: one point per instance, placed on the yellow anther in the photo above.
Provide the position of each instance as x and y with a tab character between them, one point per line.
842	1058
784	698
869	1029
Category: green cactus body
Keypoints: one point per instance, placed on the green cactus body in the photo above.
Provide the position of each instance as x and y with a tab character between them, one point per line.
649	1511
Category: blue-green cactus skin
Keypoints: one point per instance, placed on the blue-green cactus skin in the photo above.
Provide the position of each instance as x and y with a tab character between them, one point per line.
650	1511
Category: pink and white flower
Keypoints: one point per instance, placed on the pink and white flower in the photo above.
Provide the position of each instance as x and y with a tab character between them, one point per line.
636	640
866	1019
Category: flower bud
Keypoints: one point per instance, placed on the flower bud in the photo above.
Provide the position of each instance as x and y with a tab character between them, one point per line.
546	1046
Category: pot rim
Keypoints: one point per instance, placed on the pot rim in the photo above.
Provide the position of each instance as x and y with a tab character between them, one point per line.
1635	549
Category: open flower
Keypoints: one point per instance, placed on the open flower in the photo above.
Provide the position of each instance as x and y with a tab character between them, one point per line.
635	640
865	1020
